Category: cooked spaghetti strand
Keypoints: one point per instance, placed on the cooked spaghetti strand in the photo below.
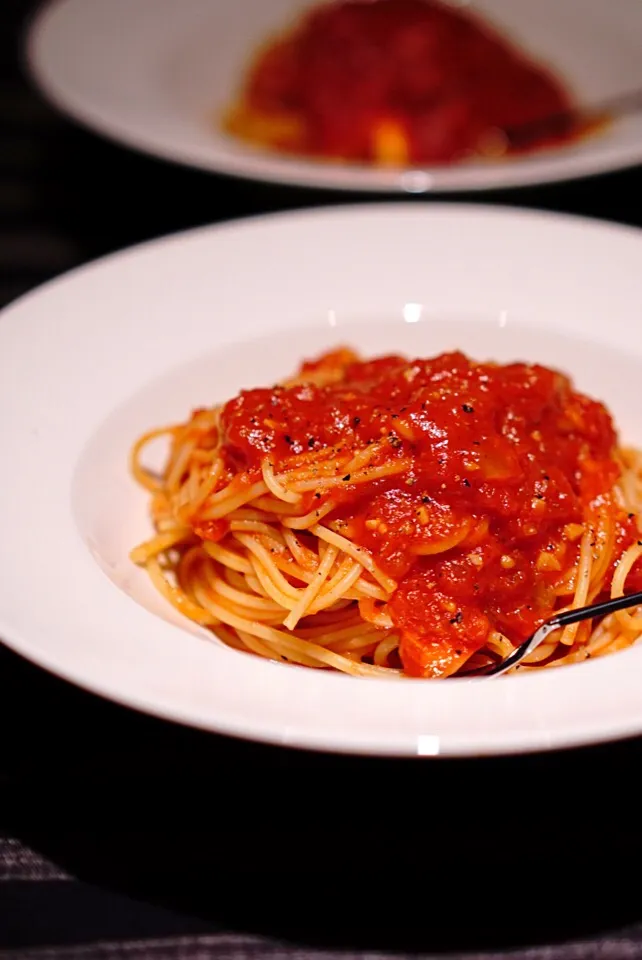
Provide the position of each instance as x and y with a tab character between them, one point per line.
398	518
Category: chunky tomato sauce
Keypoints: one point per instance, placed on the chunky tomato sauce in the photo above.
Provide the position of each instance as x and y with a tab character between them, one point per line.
499	467
400	82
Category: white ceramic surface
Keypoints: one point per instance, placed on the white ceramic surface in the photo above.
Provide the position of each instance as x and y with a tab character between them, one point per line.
156	74
92	359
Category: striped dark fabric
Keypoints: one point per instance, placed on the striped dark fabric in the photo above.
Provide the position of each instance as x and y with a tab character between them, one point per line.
48	915
125	837
18	862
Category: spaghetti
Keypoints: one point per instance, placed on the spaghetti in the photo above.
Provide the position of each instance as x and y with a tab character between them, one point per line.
392	517
398	83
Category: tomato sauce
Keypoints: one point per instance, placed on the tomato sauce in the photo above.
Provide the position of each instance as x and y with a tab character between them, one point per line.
399	82
499	466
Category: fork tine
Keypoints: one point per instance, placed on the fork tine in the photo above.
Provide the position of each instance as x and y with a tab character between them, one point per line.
556	622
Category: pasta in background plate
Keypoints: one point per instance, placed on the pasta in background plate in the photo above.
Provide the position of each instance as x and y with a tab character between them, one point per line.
399	83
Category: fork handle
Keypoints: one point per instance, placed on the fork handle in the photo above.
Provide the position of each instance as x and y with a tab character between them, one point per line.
596	609
553	624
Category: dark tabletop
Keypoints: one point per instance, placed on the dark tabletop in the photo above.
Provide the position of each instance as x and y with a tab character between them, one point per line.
123	835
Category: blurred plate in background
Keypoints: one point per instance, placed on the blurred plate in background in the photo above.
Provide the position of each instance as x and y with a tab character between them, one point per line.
157	75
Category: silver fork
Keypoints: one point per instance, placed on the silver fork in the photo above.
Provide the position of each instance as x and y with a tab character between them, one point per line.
550	626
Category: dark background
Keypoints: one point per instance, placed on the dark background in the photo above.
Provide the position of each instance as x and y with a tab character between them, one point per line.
173	831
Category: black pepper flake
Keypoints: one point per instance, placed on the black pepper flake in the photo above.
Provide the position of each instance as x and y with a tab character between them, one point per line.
466	482
441	461
395	416
356	421
475	443
287	438
458	653
425	499
347	476
311	442
539	496
546	477
458	617
395	442
639	543
403	409
631	515
318	496
466	407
